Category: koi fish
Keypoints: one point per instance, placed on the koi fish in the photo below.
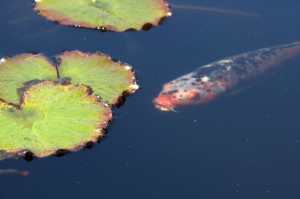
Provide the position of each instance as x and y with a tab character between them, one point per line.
13	171
210	81
5	155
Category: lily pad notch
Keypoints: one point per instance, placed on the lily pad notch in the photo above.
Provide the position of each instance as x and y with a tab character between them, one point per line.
105	15
107	78
53	116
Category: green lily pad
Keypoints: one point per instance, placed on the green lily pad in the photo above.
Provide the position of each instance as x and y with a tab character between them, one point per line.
107	78
22	68
43	116
113	15
52	117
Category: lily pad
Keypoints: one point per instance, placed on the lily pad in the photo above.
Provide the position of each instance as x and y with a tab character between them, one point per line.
52	117
113	15
20	69
43	116
107	78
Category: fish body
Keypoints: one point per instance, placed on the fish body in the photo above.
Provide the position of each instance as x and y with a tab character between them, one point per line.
13	171
209	81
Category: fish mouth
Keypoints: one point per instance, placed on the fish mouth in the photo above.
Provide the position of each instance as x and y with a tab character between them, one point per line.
164	108
163	104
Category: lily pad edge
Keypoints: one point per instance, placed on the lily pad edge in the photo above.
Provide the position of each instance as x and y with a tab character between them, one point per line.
27	154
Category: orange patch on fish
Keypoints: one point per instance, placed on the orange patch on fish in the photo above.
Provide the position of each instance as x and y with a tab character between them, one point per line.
164	102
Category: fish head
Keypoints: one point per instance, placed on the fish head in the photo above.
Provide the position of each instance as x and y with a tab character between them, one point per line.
189	89
168	100
177	93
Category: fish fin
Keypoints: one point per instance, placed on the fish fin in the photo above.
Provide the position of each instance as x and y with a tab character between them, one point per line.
236	91
173	109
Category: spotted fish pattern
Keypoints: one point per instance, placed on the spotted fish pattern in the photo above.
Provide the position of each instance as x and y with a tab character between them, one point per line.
207	82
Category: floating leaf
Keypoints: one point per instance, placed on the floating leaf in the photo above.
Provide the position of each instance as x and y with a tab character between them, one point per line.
20	69
107	78
113	15
43	116
52	117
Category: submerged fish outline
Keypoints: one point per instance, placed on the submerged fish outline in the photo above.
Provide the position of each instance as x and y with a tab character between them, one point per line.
210	81
13	171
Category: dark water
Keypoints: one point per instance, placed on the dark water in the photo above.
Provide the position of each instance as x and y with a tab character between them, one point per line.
241	146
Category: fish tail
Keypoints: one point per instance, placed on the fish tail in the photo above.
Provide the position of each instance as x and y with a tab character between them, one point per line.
291	50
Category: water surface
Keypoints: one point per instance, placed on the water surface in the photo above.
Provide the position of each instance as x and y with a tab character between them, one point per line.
244	146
